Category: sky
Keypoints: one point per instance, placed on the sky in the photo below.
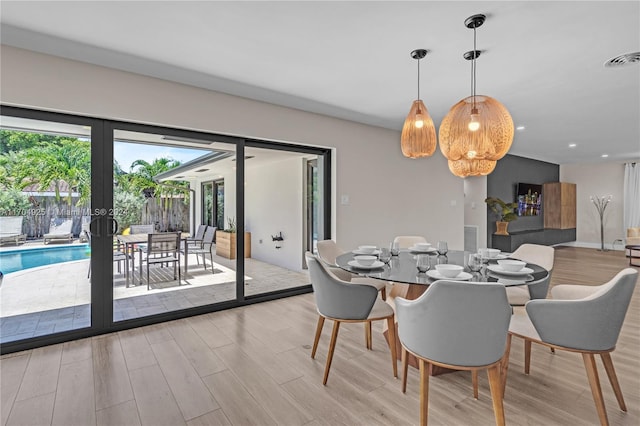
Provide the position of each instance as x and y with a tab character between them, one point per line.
126	153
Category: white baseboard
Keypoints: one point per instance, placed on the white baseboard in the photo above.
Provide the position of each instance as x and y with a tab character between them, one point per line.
618	246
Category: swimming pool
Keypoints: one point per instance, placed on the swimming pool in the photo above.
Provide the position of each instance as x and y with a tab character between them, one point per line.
20	259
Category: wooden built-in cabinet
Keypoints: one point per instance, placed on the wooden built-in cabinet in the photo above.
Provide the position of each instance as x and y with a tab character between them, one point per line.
559	205
226	244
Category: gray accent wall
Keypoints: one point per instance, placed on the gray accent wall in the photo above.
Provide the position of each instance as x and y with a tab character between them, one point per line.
503	182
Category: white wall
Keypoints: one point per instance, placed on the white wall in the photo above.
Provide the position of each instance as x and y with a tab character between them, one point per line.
475	210
274	203
388	194
596	179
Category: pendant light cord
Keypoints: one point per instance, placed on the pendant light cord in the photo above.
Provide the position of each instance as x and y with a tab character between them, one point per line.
473	69
418	79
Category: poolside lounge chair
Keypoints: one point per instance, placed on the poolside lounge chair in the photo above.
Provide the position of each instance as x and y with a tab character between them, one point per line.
11	230
61	231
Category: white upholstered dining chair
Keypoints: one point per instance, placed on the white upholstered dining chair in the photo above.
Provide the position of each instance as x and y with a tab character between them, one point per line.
406	241
540	255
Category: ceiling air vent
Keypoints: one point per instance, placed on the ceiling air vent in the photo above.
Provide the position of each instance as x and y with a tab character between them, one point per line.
623	60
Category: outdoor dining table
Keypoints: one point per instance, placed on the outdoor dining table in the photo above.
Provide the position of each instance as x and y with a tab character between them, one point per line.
129	242
410	284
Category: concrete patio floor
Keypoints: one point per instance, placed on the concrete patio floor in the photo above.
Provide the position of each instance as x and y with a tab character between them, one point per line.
56	297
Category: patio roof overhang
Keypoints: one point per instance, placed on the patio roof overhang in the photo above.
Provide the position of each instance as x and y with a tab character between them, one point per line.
193	169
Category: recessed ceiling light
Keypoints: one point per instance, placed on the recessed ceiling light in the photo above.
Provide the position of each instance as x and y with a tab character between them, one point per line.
605	155
573	145
520	128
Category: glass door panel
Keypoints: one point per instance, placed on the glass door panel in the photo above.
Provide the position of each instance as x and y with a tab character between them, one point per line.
163	184
277	217
45	211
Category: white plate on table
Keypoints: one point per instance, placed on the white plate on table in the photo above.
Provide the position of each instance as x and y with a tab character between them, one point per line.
375	265
462	276
420	250
360	252
501	256
500	270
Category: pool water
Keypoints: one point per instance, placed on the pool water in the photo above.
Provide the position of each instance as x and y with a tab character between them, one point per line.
20	259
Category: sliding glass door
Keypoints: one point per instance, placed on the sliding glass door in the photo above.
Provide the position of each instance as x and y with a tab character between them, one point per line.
84	202
159	189
47	206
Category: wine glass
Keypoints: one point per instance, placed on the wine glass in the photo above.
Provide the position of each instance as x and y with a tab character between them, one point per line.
395	248
442	248
384	255
423	262
475	262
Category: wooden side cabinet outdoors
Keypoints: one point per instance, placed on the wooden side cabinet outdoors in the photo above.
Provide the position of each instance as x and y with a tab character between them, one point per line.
559	204
226	244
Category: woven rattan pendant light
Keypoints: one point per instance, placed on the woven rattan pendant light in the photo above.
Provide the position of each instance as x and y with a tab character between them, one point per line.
478	130
418	137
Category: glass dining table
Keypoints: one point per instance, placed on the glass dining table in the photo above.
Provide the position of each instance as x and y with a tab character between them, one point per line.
402	269
408	283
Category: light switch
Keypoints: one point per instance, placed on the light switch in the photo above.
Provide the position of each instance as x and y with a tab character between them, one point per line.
454	203
344	199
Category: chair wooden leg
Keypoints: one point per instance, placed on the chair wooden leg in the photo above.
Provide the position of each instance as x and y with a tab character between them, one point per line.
318	333
594	383
405	369
527	356
367	334
332	347
474	381
424	392
391	325
383	294
613	379
495	385
504	365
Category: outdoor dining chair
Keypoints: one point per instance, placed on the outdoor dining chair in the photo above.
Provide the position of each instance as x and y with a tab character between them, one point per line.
196	240
161	248
205	247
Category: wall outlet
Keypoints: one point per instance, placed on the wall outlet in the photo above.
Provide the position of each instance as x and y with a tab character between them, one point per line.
260	241
344	199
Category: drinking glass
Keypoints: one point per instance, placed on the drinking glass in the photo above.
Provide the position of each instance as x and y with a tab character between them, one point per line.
384	255
475	262
395	248
423	262
442	247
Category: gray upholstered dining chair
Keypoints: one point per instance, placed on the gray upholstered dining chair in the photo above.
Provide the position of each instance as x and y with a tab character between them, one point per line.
341	301
406	241
582	319
328	251
540	255
460	326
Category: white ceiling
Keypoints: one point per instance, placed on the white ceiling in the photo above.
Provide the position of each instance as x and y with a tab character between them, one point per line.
542	60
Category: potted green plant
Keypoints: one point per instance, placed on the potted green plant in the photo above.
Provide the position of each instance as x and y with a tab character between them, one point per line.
505	212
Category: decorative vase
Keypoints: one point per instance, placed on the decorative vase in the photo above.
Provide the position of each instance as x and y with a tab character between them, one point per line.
501	228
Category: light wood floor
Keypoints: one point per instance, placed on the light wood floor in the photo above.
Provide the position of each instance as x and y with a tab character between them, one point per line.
252	366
